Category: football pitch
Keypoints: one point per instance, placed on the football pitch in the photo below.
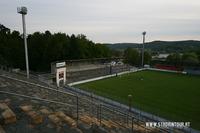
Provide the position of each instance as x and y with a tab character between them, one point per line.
169	95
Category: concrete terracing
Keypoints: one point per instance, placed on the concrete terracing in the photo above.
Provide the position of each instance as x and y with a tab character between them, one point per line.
26	108
84	67
32	108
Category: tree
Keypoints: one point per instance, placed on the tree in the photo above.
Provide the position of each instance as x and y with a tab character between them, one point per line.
131	56
147	57
116	53
190	59
174	59
198	54
11	48
44	48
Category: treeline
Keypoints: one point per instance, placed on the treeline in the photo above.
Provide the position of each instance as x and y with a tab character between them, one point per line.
161	46
188	59
133	57
45	48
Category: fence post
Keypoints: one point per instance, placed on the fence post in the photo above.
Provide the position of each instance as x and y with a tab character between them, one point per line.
100	106
77	109
92	108
57	93
132	124
97	112
127	117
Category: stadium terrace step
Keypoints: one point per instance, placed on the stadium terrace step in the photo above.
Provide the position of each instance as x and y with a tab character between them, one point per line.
7	114
85	127
76	130
7	101
3	106
2	130
100	130
68	120
107	124
35	117
114	125
45	111
89	120
26	108
54	119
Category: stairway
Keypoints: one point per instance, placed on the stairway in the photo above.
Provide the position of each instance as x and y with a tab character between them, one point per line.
25	118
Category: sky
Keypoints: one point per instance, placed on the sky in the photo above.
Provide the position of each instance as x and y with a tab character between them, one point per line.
108	21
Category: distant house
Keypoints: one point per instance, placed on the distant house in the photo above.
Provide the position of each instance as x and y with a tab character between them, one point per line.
162	57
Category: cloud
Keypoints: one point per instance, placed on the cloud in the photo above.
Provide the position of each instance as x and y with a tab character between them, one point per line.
108	20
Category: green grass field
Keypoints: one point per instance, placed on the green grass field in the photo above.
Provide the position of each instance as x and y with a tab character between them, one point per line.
169	95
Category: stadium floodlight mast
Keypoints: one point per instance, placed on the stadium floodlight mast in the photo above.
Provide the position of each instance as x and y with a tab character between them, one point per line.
143	33
23	10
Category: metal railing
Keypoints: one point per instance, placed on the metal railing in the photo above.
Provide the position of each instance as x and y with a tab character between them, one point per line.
77	104
125	115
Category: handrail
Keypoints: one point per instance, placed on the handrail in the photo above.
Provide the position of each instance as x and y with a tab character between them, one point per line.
62	103
36	98
38	85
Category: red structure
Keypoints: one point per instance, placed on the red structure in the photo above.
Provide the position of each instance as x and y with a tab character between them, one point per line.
168	67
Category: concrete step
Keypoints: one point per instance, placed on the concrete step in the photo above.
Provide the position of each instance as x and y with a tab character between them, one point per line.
7	114
87	120
68	120
44	111
88	123
54	119
2	130
26	108
36	118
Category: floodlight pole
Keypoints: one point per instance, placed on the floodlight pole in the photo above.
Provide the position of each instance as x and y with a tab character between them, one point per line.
129	101
143	33
23	11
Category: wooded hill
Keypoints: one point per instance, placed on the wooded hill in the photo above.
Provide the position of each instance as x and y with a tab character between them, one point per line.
161	46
